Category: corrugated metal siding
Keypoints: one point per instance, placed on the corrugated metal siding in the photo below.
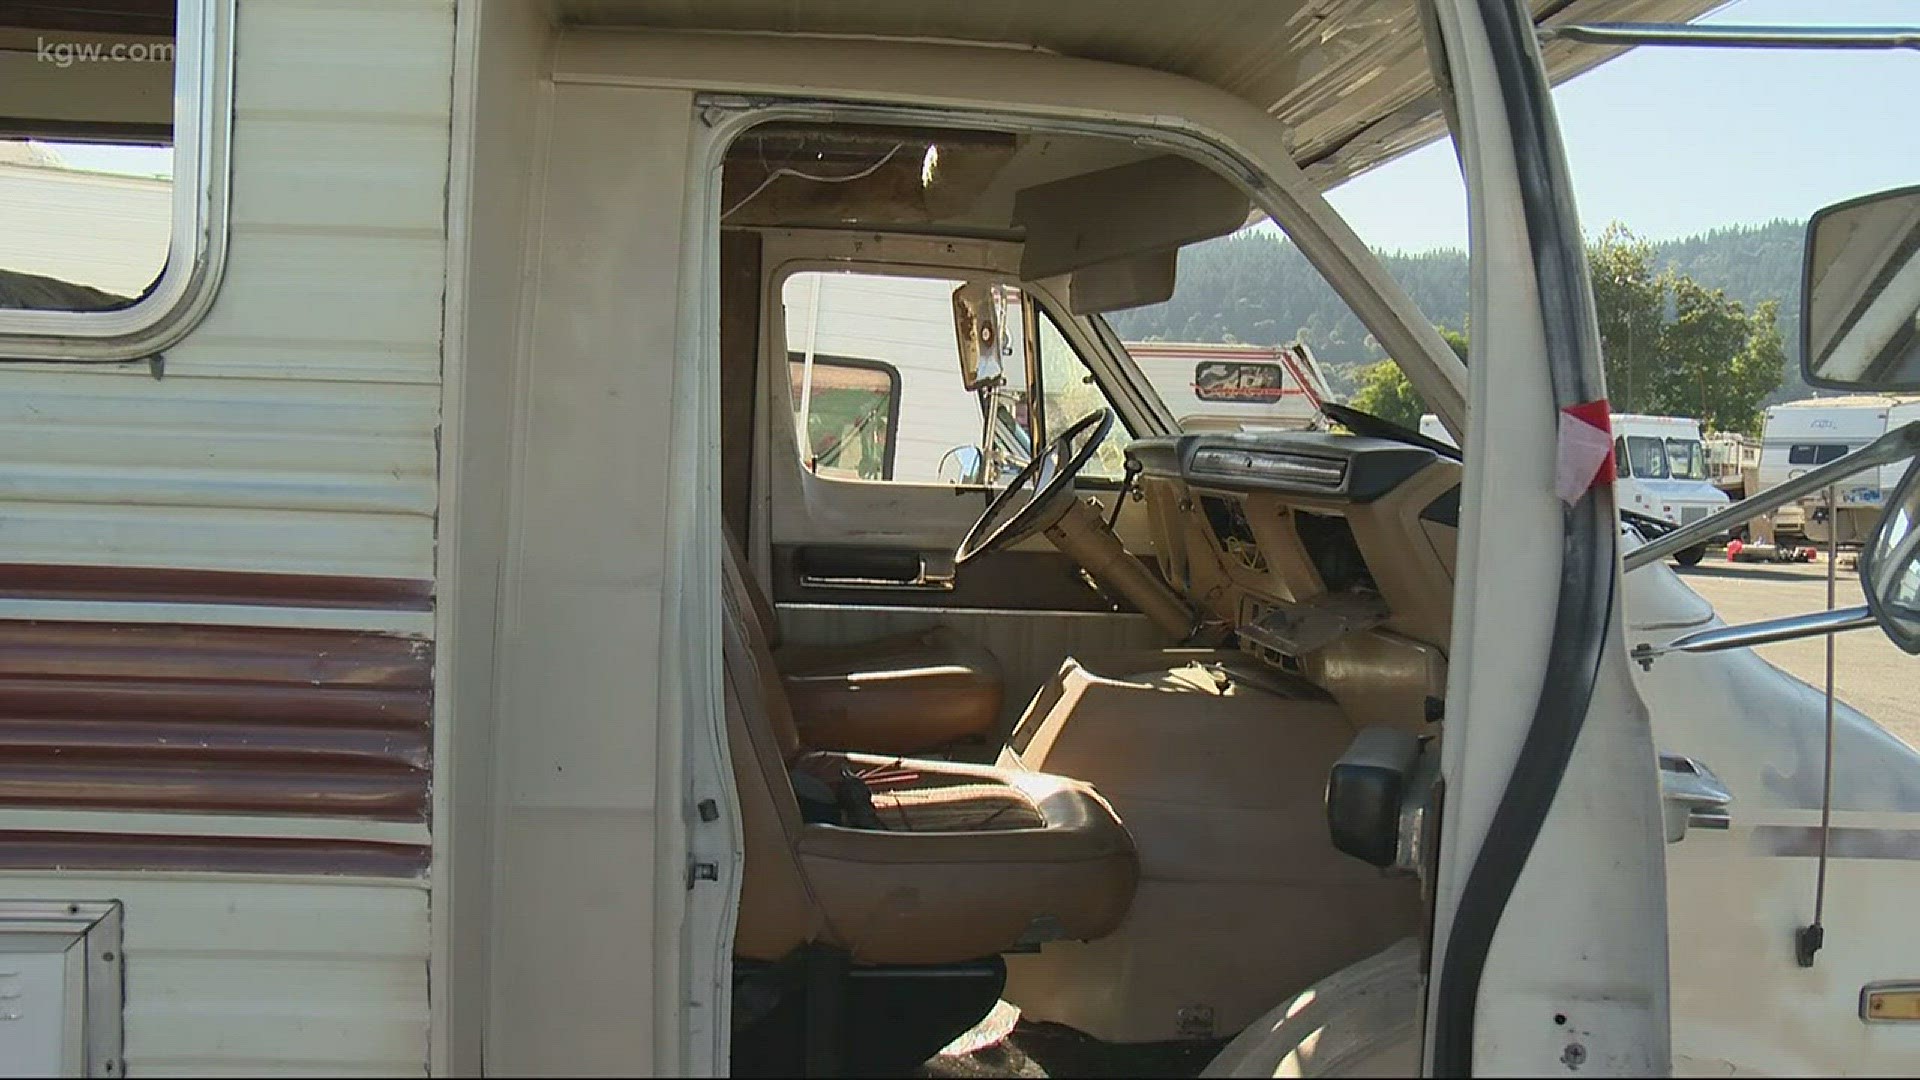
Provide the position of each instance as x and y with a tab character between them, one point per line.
240	976
294	430
293	434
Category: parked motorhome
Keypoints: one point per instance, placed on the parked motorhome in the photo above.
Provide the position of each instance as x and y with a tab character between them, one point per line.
1799	436
1660	467
433	646
1234	387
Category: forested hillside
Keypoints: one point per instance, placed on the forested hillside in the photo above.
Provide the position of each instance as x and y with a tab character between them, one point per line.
1255	287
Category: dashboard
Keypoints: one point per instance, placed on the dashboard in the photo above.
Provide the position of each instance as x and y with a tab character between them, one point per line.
1329	557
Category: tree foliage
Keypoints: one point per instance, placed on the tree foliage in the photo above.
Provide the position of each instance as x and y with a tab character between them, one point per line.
1674	346
1257	288
1386	393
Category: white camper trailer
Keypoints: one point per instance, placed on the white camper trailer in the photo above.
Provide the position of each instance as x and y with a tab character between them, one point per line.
1800	436
1234	387
432	647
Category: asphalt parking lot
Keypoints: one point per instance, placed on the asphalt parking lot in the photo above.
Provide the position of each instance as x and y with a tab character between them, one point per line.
1870	673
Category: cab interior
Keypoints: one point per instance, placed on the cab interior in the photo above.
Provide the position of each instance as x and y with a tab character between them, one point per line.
1032	698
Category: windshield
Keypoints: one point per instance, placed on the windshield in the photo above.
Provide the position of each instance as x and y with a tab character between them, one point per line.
1687	459
1648	456
1249	325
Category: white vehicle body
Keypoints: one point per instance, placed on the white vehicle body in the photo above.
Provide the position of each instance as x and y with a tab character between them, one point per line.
1666	473
1801	435
367	568
1233	387
1737	895
1660	466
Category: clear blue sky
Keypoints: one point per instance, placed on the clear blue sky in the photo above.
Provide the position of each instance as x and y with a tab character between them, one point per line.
1672	141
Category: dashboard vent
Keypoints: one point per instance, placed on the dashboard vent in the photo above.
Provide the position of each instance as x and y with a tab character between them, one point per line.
1301	470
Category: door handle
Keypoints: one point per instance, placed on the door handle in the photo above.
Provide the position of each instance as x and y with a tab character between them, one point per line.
1691	796
853	568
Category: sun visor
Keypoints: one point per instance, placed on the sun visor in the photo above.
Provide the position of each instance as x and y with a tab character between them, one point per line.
1125	213
1122	283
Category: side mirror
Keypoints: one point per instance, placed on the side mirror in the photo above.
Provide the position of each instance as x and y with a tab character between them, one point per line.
1890	565
962	465
1860	294
1367	791
977	329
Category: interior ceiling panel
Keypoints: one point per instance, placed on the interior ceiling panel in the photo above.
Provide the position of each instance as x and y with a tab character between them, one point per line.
1349	78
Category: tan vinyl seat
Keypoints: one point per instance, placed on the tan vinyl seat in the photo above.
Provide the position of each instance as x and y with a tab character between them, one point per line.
911	693
972	861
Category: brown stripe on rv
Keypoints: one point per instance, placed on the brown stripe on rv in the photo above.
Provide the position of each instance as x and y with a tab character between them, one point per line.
48	850
212	719
123	584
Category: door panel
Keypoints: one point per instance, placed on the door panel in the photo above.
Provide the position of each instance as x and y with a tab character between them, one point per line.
863	505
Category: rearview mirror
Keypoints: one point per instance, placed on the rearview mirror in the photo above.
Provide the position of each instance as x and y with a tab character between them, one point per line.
1860	294
1890	565
976	326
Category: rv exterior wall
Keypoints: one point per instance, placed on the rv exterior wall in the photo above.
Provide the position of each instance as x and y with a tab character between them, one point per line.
499	86
260	521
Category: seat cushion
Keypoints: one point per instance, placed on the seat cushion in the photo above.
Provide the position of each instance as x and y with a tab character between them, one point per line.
958	808
987	860
910	694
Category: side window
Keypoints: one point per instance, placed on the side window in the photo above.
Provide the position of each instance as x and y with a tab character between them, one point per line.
1620	469
1068	392
874	379
94	198
1815	453
852	408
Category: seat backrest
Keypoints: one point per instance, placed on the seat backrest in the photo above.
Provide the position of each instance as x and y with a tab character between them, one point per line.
757	603
755	616
777	910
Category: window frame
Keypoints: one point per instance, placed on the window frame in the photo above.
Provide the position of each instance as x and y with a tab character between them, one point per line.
182	294
1035	299
1815	448
893	405
1034	308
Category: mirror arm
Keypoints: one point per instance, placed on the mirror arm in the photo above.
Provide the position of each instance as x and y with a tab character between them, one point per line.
1900	443
1736	37
1765	632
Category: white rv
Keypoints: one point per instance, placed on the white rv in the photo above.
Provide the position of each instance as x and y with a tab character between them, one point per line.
431	646
1660	470
1802	435
1234	387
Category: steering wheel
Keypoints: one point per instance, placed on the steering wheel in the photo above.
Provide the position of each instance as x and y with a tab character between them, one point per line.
1039	492
1371	426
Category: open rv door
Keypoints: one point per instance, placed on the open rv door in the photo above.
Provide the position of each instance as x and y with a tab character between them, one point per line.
1549	929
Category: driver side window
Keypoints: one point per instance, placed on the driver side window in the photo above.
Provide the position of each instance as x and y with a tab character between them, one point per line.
873	383
875	392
